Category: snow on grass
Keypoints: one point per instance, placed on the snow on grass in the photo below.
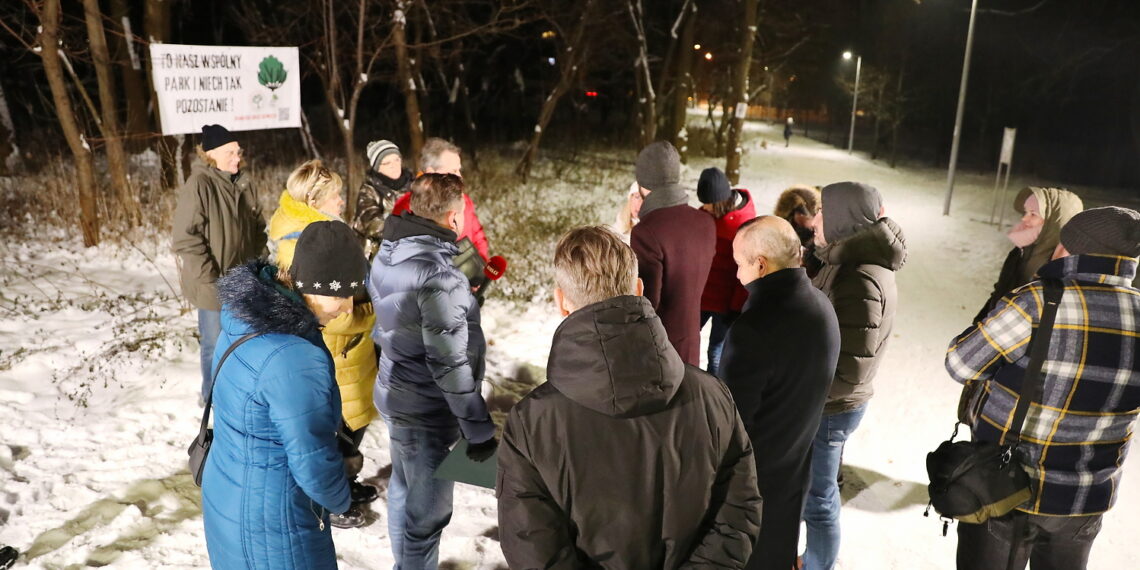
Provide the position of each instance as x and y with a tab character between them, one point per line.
99	369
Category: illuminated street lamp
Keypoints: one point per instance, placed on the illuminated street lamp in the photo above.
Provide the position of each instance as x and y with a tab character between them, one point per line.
708	55
854	98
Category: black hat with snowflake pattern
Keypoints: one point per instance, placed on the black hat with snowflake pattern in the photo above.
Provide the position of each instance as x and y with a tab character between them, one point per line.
329	261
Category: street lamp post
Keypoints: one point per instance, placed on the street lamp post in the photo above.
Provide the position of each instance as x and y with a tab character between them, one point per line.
961	109
854	98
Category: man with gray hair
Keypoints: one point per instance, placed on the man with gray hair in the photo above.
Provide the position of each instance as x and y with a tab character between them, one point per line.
779	360
441	157
580	483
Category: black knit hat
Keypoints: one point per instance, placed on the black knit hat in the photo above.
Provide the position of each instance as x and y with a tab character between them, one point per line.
328	260
713	186
1108	231
214	136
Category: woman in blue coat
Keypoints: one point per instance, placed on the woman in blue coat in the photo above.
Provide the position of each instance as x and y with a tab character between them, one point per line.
274	472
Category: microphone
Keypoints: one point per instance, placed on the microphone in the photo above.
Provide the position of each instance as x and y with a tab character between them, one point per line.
496	267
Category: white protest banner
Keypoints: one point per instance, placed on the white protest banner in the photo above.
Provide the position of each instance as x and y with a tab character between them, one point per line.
240	88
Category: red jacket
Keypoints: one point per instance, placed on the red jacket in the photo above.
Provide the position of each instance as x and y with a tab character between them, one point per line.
674	248
472	229
723	292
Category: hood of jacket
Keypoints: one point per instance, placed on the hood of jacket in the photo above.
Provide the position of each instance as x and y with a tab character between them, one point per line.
614	357
1057	207
409	235
881	243
252	294
849	207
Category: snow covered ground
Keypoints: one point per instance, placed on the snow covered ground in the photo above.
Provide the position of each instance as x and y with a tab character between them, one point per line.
99	376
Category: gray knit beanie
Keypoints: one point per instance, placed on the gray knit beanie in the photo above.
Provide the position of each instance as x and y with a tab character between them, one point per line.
658	166
1107	231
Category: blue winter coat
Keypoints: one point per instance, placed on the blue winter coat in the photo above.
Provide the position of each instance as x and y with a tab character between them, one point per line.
274	472
427	326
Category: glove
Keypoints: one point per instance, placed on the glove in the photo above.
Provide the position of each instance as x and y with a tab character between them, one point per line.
480	452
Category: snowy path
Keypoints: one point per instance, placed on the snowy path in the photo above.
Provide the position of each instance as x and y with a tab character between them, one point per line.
98	376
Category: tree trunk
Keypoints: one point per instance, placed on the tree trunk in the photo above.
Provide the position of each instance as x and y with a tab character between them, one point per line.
125	54
879	106
9	150
573	56
647	96
739	96
84	164
407	84
116	155
156	24
679	134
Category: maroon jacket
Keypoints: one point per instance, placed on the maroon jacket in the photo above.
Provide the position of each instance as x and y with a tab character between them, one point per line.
723	292
675	247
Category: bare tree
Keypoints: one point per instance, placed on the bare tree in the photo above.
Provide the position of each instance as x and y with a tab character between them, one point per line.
683	86
125	53
113	143
647	96
738	100
574	55
9	151
49	41
156	24
406	82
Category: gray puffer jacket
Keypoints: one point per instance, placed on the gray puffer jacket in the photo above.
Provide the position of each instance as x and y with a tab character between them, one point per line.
427	326
858	277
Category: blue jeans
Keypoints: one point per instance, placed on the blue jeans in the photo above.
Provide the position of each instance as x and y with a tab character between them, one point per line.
419	505
821	511
720	324
209	327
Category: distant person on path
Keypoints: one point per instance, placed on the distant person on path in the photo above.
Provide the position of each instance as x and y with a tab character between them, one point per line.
218	224
788	131
798	205
723	295
275	472
779	360
675	244
1076	437
861	250
313	193
626	457
431	364
1044	211
384	182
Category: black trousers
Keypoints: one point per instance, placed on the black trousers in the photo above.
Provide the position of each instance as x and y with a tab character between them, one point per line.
1044	542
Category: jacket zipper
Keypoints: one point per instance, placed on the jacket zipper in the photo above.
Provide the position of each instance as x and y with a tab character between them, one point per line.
320	517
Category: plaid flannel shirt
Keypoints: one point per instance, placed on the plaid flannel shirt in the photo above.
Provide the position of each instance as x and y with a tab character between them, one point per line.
1074	440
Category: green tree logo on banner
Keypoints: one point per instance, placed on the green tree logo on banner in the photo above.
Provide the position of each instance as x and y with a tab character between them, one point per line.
271	73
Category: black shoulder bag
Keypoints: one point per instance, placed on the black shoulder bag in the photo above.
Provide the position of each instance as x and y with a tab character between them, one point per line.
200	447
973	481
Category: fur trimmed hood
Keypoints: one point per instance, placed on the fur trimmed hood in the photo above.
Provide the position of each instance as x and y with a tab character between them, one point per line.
252	295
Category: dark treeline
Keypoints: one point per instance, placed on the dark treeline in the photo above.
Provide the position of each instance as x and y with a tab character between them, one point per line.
615	72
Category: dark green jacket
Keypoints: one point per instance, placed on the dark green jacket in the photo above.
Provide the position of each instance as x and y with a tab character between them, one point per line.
858	276
218	224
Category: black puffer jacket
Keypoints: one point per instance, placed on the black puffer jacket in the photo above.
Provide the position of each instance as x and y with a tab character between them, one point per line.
858	276
625	458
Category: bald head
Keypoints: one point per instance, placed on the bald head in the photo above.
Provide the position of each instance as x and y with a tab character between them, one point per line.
764	246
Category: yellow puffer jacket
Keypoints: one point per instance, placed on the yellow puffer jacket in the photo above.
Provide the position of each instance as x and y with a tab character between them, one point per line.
348	336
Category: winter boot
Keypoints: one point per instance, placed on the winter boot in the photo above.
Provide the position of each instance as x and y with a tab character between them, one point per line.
8	556
352	518
362	494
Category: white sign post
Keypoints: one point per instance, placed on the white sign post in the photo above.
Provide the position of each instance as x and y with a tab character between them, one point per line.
240	88
1004	159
